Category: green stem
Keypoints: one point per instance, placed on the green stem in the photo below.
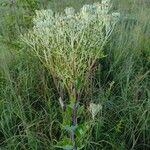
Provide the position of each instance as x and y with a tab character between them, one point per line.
74	123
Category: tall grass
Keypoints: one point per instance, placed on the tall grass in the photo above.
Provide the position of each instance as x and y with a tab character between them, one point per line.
29	112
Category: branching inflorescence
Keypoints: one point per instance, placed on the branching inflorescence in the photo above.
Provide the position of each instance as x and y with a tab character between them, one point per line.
70	43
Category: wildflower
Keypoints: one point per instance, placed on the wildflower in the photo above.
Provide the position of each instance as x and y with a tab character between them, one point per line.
94	109
68	44
106	5
70	12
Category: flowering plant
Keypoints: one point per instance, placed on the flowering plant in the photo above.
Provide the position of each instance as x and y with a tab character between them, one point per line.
69	44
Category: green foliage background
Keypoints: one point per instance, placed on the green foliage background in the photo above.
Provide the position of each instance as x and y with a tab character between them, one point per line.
30	114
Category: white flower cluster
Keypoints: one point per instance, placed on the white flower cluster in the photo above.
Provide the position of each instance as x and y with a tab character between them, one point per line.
88	13
95	109
69	43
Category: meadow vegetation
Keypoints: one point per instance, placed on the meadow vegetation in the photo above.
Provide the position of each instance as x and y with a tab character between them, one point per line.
30	113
